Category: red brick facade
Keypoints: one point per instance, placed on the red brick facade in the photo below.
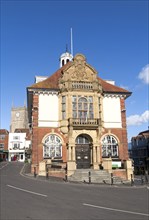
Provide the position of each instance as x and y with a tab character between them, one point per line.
4	135
97	87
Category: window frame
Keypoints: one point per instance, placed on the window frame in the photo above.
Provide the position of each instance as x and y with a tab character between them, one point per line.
82	107
110	147
52	147
63	107
2	146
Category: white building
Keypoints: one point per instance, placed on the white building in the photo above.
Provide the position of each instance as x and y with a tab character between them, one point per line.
18	144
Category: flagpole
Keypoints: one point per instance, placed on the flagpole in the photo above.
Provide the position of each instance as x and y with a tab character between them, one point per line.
71	42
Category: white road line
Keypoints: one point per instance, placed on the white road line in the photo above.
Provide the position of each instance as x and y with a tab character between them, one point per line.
24	190
3	166
117	210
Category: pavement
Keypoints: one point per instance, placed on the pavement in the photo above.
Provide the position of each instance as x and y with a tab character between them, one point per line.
139	180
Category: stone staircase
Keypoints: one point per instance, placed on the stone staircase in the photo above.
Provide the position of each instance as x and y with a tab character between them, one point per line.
96	176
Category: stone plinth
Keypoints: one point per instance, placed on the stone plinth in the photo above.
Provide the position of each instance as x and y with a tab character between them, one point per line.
107	164
71	167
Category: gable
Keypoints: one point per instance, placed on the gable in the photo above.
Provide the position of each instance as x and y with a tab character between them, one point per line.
79	71
77	74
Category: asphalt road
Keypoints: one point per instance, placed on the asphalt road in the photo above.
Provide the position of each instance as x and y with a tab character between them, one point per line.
27	198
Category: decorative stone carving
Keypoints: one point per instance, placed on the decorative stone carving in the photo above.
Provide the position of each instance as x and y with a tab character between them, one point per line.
80	70
64	130
79	76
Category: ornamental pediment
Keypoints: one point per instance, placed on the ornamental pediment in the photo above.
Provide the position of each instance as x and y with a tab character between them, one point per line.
79	70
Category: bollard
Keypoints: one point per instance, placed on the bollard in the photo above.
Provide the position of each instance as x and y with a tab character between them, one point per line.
35	172
111	178
146	177
47	173
89	177
66	178
141	179
132	182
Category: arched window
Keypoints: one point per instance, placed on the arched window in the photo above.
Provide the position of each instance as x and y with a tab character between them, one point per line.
109	146
82	107
82	139
63	62
52	147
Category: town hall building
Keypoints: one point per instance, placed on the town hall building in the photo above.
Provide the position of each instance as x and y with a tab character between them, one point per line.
78	121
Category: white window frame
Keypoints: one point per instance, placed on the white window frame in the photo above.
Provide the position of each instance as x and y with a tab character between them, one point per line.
16	146
109	146
52	147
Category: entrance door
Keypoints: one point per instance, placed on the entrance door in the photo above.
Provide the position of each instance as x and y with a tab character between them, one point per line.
83	156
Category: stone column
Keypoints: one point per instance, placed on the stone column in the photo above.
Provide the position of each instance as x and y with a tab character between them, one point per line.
71	163
73	153
94	155
69	153
129	169
95	162
98	154
91	150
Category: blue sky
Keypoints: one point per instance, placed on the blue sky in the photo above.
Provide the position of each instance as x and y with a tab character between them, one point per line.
113	35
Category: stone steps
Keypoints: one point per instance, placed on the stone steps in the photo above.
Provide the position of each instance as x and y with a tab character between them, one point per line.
82	175
96	176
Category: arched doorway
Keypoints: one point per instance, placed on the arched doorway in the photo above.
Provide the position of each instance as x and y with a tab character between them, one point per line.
83	152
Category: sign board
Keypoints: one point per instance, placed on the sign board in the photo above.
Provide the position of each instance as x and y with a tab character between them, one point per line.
116	164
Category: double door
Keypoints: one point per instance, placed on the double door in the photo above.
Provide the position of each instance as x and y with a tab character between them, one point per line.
83	159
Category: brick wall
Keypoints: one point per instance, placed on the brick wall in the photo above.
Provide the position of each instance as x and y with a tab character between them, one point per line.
120	173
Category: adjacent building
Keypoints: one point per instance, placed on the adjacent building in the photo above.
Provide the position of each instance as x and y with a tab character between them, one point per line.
140	152
19	118
4	134
77	119
19	145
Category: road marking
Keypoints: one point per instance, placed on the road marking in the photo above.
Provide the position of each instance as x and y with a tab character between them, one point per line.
3	166
22	169
24	190
117	210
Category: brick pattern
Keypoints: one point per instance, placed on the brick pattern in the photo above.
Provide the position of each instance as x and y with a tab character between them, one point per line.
38	133
56	81
120	173
4	141
121	134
